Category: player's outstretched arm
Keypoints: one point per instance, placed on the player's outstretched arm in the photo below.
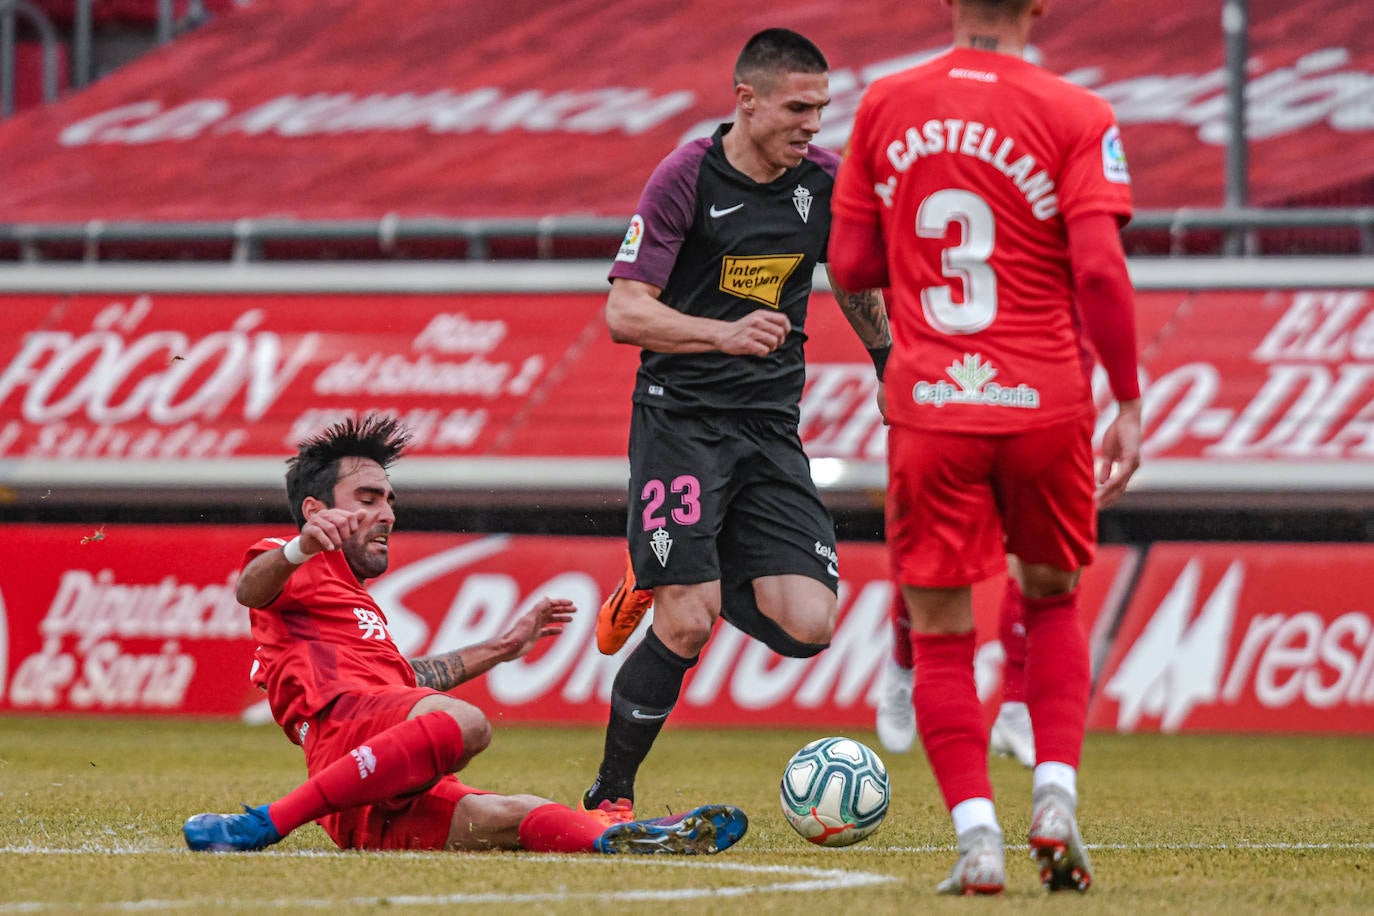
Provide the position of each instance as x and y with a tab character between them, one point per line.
449	669
637	317
265	575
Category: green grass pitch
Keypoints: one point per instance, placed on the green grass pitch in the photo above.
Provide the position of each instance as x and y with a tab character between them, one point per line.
91	809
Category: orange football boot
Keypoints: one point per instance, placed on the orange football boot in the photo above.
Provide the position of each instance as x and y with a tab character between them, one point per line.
621	613
610	812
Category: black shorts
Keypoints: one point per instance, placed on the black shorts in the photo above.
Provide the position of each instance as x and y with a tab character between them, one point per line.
723	497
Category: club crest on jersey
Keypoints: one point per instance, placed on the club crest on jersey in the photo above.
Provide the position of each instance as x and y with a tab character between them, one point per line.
801	199
759	278
662	543
973	377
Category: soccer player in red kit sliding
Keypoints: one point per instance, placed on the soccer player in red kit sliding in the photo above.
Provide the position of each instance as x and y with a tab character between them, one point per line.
989	193
381	738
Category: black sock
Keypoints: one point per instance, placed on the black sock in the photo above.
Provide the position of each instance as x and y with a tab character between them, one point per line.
645	690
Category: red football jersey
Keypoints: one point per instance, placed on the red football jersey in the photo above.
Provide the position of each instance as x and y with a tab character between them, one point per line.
970	164
323	635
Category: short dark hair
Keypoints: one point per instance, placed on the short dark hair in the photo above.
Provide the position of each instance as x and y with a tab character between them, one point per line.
315	468
774	52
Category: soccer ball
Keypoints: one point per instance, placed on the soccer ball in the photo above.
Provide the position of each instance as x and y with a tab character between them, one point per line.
834	791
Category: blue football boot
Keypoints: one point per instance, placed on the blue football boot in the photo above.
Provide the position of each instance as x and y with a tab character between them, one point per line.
702	831
252	829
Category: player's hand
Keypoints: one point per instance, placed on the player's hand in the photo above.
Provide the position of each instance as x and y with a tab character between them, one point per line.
882	402
1120	453
757	334
545	619
329	528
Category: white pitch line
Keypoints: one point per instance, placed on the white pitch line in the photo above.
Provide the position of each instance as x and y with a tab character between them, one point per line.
1157	847
868	849
812	879
808	879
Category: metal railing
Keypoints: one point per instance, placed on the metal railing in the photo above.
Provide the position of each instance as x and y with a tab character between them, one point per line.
10	11
168	26
243	240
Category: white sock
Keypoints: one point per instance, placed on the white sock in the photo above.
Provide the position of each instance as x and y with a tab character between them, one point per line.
1060	775
973	813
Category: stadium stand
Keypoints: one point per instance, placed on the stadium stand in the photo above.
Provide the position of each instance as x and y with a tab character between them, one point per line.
257	128
278	135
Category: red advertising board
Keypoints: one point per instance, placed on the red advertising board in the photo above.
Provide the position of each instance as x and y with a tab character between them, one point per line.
1282	376
1247	638
1255	376
182	376
143	620
218	376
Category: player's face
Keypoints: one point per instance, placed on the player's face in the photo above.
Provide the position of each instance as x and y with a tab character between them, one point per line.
363	484
787	115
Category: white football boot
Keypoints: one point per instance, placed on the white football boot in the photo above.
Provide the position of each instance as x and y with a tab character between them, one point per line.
896	718
981	868
1011	734
1055	843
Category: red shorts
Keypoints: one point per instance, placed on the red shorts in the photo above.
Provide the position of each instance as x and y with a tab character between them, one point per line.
418	821
956	503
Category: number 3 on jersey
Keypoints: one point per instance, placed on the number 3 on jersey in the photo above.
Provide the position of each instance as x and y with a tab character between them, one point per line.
966	262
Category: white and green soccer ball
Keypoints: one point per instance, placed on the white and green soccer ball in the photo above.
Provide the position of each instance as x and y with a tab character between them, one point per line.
834	791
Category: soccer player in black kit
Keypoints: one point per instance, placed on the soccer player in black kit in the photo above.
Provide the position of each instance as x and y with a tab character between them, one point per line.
712	282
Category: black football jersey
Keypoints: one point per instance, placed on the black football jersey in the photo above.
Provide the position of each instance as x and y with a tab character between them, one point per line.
720	244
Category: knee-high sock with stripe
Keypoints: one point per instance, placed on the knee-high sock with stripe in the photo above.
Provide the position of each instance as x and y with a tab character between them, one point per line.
1058	677
402	759
1011	631
558	828
949	716
644	692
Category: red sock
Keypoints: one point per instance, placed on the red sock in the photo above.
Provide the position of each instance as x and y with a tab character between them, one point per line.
901	630
1058	677
401	759
949	716
1011	630
558	828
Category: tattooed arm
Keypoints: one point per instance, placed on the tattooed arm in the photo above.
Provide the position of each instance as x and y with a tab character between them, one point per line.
449	669
867	315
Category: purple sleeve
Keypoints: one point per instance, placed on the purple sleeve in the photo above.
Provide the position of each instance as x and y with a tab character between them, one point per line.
666	210
824	158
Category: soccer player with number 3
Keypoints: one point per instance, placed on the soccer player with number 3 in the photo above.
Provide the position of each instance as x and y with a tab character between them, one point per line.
989	193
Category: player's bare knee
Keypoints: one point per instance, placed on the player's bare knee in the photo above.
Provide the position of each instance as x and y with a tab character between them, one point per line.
683	617
684	636
472	722
1041	580
814	629
476	735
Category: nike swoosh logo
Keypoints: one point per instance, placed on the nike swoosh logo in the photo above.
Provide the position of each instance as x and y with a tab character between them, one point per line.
636	714
717	213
